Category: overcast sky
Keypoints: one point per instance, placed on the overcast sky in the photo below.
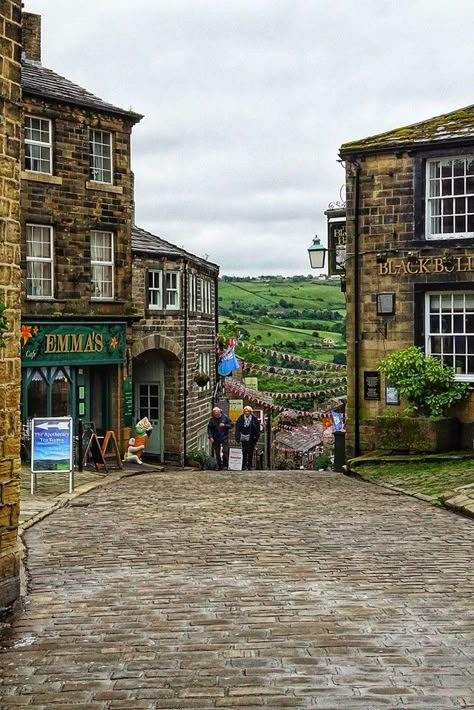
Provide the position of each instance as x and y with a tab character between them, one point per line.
246	103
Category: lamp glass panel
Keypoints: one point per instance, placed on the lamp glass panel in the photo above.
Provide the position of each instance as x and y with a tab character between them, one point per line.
385	303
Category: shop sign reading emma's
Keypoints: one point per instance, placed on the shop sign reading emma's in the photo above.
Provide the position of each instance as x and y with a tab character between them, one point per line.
427	265
74	344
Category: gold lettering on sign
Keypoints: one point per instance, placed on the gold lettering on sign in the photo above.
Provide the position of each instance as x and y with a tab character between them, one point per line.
427	265
99	343
50	344
74	343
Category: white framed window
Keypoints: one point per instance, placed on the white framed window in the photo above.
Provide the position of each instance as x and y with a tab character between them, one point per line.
39	261
172	290
204	365
155	290
192	293
100	155
450	197
206	296
202	442
38	145
102	265
163	290
449	328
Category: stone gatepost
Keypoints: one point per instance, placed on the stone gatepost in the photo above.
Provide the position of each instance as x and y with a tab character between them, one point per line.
10	277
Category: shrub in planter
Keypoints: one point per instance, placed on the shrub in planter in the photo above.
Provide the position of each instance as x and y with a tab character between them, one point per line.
322	462
197	456
430	390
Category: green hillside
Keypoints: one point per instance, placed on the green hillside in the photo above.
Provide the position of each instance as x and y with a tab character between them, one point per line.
302	317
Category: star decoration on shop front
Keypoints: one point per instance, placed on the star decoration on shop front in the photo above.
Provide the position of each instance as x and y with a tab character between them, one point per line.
114	342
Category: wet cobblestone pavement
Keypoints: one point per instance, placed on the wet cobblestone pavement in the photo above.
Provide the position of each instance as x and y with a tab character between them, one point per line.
277	590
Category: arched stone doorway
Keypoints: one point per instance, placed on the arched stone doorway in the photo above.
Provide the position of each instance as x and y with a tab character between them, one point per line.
156	369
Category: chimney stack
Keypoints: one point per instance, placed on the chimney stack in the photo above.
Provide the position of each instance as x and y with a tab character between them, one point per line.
32	36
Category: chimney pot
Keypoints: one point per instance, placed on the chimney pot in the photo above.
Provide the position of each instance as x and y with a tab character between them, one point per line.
31	36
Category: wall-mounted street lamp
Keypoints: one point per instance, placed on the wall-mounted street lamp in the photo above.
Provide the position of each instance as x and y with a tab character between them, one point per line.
317	254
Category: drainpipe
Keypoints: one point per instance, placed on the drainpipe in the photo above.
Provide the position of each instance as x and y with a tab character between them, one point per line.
356	312
185	361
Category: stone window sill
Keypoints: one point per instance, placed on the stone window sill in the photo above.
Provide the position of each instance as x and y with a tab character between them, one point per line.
41	177
104	187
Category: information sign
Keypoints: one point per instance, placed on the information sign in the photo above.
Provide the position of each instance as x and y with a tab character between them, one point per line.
235	409
235	459
51	447
372	385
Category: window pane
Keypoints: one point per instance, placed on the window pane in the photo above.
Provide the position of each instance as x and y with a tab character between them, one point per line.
460	364
435	345
459	167
37	398
448	206
434	324
448	345
459	186
446	168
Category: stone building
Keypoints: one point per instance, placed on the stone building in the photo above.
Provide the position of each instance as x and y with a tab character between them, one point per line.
410	260
76	226
175	294
10	146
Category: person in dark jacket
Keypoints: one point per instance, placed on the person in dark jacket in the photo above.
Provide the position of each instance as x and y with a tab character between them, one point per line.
218	432
247	433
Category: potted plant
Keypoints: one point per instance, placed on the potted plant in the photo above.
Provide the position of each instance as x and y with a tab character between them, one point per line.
429	389
322	462
201	379
197	456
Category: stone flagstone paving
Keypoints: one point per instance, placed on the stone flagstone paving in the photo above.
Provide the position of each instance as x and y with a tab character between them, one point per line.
261	590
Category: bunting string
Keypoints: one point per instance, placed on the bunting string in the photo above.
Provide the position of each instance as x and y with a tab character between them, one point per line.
287	357
318	377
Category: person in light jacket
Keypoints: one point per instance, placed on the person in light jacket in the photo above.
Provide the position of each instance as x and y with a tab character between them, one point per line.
247	433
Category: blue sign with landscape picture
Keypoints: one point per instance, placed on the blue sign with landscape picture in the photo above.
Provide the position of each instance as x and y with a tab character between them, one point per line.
51	449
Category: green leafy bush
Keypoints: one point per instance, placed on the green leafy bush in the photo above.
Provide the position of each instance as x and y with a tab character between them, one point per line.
426	384
197	456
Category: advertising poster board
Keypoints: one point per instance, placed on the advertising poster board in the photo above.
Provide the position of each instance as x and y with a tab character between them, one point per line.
51	447
251	382
235	409
235	459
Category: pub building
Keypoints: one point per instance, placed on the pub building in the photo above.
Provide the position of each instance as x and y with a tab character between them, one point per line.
76	253
409	261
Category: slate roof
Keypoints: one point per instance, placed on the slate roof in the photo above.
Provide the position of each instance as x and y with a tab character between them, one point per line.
301	439
40	81
453	126
148	243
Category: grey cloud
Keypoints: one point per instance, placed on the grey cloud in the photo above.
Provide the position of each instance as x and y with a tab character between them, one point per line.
246	103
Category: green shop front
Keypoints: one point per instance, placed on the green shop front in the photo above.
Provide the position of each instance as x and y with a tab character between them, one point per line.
75	369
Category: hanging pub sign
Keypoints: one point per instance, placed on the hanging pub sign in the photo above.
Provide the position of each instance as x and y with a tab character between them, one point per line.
372	385
337	246
46	343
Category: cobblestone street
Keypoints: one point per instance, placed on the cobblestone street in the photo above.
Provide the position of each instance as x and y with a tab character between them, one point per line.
278	590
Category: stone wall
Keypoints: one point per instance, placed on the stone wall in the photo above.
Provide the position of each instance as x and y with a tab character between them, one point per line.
10	120
74	206
387	200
